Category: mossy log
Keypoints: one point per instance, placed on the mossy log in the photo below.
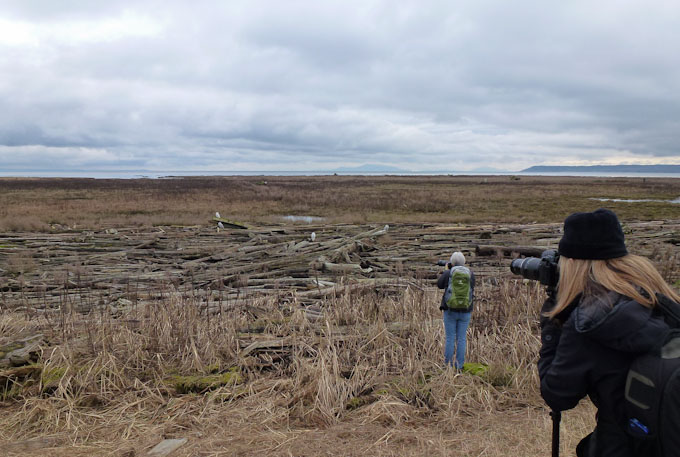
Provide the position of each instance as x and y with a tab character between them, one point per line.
12	380
204	382
21	352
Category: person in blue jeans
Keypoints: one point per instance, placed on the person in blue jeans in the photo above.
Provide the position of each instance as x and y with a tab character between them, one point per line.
455	321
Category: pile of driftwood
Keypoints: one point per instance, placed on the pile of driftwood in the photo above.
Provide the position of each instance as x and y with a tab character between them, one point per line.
116	267
115	270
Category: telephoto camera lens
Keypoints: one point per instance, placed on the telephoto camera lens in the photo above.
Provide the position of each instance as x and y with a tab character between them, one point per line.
528	268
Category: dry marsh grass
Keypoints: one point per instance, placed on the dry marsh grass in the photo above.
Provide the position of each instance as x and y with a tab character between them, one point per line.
57	203
366	377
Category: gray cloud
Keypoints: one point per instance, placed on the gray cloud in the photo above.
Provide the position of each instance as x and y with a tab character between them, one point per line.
310	85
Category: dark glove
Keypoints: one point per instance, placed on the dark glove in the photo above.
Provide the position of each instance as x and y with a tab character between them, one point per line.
551	327
549	304
563	315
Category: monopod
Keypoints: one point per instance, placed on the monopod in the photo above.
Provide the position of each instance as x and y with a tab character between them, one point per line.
556	417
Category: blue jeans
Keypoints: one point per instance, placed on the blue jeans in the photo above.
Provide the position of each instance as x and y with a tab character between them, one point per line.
455	327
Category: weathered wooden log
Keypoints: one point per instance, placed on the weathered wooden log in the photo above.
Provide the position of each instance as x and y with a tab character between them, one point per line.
360	284
21	352
345	268
230	223
32	445
166	447
259	346
343	252
526	251
462	228
26	355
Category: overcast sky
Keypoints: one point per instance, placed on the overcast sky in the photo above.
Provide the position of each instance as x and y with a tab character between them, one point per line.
319	84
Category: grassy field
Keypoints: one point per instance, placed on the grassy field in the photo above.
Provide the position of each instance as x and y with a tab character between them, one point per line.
43	204
360	373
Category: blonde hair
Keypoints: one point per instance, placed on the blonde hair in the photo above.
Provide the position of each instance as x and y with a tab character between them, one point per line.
627	275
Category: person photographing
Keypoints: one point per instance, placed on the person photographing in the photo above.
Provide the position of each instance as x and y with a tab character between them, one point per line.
457	305
603	314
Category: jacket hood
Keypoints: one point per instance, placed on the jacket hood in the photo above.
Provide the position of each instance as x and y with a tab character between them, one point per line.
619	322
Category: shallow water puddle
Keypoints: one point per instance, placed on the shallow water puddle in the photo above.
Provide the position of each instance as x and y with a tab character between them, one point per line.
624	200
292	218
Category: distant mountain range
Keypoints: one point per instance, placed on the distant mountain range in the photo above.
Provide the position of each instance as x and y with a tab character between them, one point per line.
605	169
370	168
387	169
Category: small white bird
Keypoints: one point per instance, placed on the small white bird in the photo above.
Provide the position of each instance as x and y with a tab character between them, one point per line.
312	236
220	225
217	215
387	227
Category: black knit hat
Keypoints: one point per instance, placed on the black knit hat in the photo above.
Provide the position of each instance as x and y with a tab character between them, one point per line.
594	236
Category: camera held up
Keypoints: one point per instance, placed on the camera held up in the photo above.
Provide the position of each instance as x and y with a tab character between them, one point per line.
544	269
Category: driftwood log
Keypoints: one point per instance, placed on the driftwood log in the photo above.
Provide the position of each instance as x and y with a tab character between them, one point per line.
508	251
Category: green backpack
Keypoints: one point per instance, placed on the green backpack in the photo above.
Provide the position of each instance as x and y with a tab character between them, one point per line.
458	291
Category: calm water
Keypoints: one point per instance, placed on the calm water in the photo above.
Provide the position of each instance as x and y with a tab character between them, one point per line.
308	219
624	200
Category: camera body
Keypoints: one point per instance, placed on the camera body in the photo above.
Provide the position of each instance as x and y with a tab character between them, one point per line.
544	269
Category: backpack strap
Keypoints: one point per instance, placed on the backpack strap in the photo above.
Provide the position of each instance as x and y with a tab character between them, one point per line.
462	268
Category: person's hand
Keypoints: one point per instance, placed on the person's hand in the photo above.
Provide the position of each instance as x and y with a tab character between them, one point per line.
548	305
563	315
449	266
559	318
551	330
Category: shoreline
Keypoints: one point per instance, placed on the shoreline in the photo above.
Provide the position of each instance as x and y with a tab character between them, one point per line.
222	174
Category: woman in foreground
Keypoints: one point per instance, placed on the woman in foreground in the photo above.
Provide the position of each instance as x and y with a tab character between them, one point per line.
602	317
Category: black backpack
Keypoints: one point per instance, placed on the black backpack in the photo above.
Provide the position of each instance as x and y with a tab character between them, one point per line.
652	392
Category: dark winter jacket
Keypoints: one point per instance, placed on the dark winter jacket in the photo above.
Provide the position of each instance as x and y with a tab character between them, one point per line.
590	355
443	283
